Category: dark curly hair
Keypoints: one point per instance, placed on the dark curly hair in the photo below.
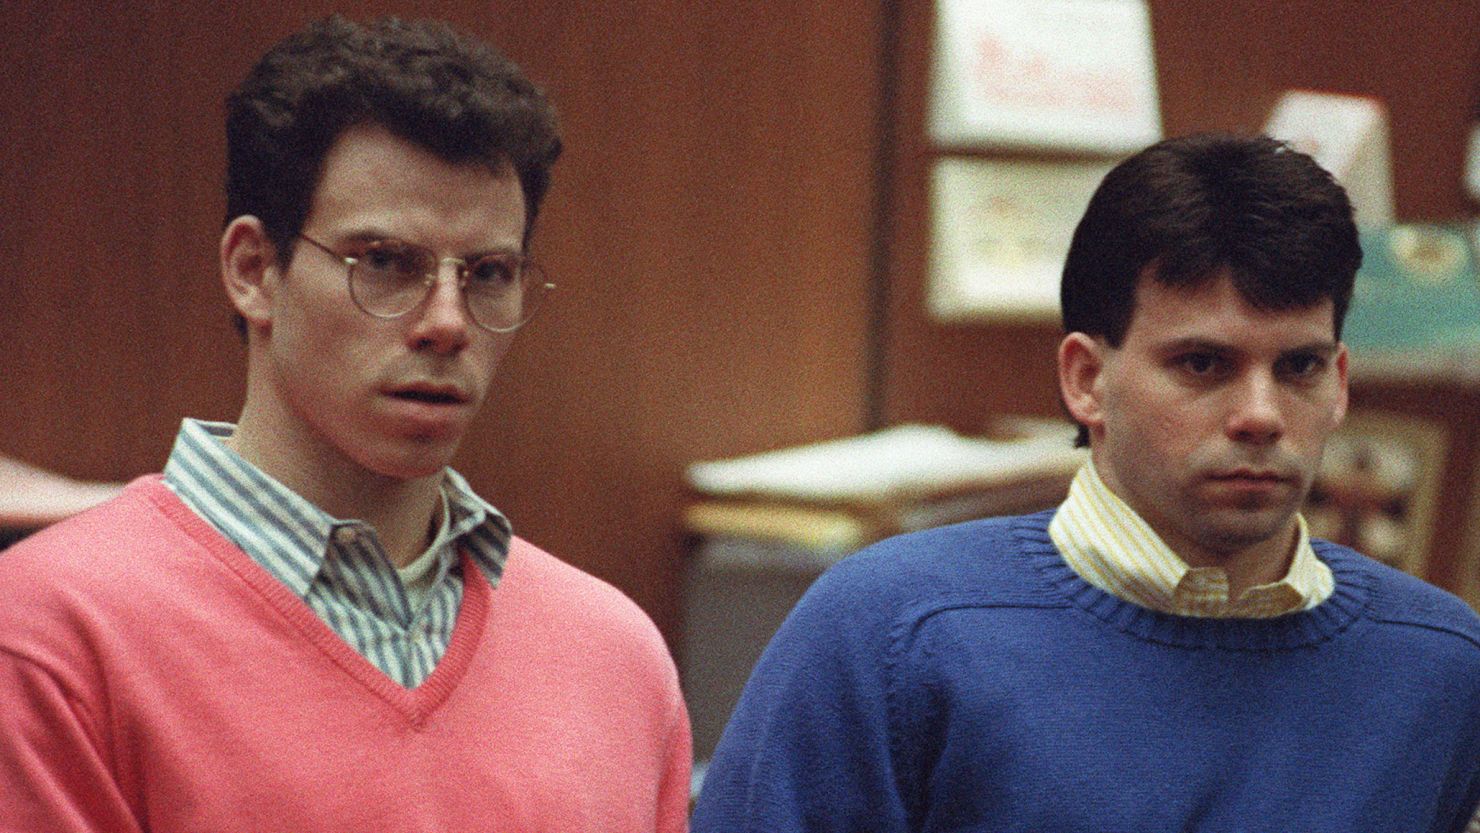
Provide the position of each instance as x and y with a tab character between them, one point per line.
425	82
1185	209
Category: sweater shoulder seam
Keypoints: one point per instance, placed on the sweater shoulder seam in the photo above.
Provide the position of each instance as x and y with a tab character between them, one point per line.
1399	621
93	726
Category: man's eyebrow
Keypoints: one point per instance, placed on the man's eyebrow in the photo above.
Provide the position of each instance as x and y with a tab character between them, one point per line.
1193	344
372	235
367	235
507	251
1320	348
1323	349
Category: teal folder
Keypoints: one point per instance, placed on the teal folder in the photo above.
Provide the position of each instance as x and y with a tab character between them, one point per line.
1418	291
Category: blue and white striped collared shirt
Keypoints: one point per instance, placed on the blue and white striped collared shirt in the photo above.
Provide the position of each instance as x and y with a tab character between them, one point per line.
338	566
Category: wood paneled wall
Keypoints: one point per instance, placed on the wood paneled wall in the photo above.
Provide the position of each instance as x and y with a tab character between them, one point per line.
1222	65
708	228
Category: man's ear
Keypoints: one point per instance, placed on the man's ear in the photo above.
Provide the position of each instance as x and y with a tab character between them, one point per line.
249	270
1341	380
1081	365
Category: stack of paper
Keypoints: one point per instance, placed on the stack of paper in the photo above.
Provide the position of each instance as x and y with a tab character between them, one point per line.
845	493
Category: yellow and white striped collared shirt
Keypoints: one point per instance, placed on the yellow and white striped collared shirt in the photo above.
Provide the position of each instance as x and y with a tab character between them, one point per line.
1110	546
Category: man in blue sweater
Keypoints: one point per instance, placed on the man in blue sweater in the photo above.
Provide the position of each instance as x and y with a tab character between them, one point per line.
1168	650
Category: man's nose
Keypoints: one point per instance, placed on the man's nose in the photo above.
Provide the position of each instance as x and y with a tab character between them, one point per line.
443	323
1256	414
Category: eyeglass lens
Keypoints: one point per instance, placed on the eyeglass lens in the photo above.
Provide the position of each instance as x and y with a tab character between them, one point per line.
391	278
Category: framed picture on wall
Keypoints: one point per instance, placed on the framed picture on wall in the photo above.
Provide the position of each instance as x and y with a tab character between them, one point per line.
1076	75
1378	488
1467	571
1348	136
1000	231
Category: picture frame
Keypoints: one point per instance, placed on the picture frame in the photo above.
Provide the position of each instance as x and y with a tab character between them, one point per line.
1467	570
1000	230
1377	490
1348	136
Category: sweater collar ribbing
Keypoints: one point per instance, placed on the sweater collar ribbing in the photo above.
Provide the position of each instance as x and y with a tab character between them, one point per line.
1308	627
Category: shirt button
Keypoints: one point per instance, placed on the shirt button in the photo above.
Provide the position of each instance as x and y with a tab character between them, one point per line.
346	535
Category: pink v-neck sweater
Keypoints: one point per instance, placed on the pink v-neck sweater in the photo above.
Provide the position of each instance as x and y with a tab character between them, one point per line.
154	678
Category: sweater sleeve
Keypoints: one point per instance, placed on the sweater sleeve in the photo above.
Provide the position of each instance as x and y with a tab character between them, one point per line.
812	745
673	793
53	774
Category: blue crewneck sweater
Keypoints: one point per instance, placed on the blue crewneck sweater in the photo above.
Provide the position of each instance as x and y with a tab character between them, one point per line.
966	678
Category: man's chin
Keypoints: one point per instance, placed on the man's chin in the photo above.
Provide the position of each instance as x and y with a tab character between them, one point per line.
1235	529
414	462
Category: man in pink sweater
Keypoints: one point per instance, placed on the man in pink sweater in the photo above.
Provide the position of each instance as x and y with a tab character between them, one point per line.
309	622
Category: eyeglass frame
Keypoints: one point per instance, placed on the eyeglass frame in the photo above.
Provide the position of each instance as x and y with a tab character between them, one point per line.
430	279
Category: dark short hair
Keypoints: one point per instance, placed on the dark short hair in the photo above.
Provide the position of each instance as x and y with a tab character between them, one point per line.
1184	210
423	81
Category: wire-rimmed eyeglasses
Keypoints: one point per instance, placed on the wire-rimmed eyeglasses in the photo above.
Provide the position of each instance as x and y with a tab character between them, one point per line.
389	278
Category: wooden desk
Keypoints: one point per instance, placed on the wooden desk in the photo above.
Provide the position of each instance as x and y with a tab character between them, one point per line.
752	558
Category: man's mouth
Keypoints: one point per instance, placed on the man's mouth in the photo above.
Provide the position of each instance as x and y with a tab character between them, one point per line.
1253	479
431	395
421	396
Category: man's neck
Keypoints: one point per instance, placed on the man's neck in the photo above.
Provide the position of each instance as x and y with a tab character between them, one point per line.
402	512
1247	564
1263	563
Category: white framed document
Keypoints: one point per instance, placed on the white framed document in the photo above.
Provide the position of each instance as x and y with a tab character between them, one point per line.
1000	230
1076	75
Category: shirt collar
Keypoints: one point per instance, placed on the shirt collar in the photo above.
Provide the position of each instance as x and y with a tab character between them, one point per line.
284	532
1110	546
